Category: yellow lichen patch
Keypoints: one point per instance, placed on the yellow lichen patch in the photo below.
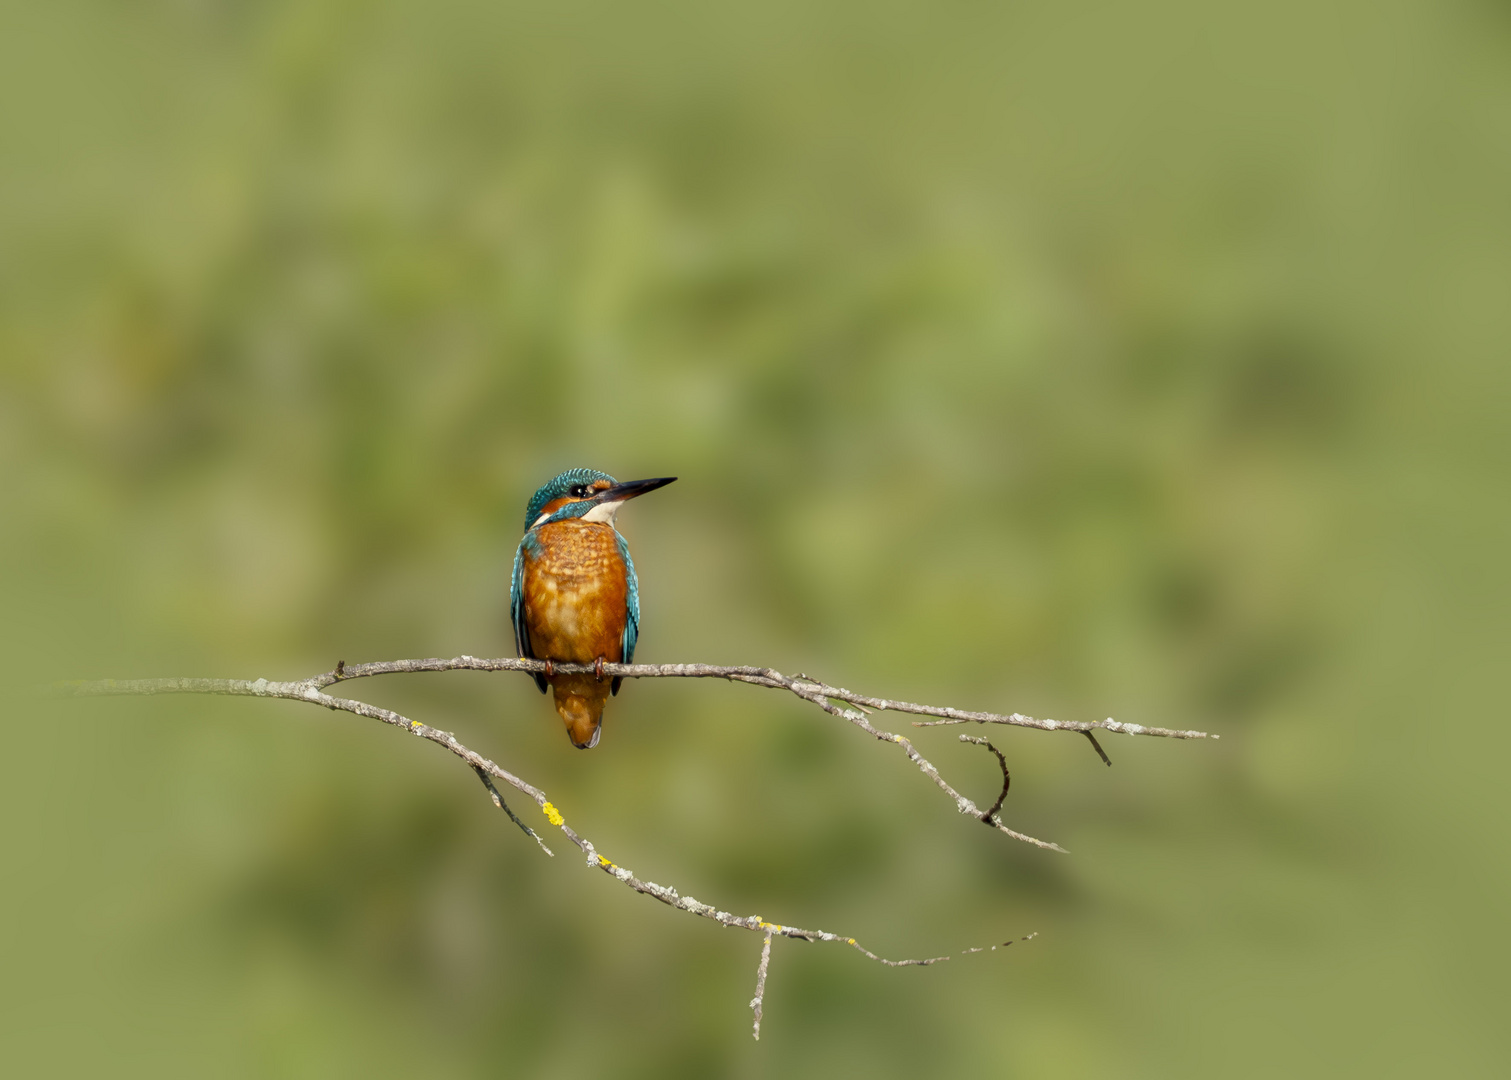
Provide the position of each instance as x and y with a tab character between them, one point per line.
605	862
415	725
552	815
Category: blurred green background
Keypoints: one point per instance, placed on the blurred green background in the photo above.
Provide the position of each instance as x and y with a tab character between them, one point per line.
1144	361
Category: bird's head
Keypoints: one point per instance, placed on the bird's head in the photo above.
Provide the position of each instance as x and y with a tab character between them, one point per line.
587	494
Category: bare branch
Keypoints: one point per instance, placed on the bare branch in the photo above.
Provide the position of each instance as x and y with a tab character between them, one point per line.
803	686
807	688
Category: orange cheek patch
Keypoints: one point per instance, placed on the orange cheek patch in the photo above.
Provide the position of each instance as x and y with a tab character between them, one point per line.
556	504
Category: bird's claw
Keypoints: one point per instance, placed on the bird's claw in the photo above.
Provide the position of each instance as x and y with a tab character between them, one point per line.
598	669
550	669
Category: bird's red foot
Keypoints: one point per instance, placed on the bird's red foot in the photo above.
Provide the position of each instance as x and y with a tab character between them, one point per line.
598	669
550	669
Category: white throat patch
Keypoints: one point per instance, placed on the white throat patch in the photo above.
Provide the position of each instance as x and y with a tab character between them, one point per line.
604	512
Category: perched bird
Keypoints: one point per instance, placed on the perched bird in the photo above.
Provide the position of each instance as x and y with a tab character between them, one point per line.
574	597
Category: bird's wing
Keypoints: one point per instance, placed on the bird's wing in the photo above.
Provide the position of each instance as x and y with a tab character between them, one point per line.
517	610
632	608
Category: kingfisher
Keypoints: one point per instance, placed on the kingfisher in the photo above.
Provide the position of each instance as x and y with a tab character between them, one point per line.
574	597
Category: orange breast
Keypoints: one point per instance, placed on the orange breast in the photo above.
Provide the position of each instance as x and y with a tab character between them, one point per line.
575	593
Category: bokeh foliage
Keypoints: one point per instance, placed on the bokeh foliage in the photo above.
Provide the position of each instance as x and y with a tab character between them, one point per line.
1083	360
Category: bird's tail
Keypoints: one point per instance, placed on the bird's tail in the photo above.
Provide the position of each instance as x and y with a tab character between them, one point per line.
580	700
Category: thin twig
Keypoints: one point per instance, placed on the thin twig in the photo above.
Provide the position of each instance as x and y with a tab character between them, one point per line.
760	994
1005	944
1098	748
498	801
1006	776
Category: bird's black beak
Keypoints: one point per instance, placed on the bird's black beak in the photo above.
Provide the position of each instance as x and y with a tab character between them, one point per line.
631	488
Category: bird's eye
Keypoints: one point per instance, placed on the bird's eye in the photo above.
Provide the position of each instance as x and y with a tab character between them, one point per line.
578	490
